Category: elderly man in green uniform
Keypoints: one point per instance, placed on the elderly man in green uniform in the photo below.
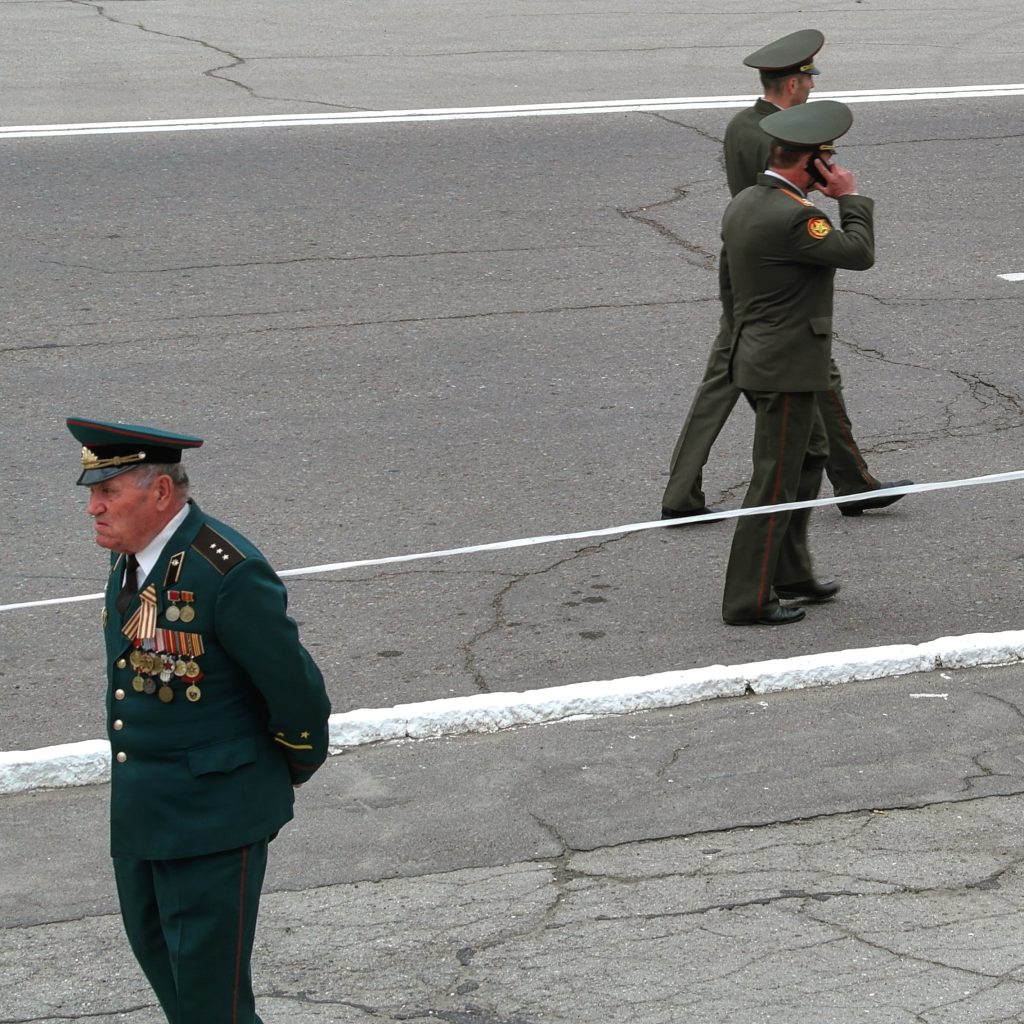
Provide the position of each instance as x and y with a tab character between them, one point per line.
779	258
215	713
787	75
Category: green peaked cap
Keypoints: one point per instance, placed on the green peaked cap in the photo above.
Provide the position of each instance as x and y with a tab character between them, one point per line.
109	449
790	55
809	125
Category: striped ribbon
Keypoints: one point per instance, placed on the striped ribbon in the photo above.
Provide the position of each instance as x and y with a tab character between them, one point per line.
142	625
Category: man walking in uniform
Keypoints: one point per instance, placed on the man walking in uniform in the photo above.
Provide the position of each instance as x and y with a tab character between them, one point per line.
787	74
215	712
779	259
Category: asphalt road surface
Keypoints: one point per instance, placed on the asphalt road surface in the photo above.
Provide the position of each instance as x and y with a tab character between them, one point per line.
414	336
417	335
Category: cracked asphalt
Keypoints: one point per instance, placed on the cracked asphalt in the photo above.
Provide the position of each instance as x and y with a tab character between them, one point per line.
848	855
409	337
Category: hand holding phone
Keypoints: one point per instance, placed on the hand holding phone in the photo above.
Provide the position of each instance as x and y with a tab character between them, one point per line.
830	179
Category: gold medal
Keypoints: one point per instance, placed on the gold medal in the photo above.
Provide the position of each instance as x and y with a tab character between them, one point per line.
188	613
193	693
192	669
166	694
173	613
135	659
138	683
179	667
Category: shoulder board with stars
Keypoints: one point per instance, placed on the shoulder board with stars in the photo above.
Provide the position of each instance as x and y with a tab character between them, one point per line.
220	553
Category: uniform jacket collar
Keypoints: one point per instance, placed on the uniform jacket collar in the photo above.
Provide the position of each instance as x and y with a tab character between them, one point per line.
179	542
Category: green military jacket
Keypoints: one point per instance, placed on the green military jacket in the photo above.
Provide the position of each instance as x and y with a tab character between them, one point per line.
778	264
746	146
214	708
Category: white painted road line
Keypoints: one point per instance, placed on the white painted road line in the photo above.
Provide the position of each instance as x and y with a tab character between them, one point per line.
81	764
608	531
488	113
1012	277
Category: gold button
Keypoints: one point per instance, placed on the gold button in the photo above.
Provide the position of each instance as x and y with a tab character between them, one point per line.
118	724
121	757
119	695
121	663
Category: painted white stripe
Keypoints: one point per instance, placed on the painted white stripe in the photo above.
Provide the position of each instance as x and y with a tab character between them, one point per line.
87	762
608	531
478	113
1012	277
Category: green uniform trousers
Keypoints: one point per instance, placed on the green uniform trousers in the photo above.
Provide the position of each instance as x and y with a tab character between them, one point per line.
717	395
191	924
789	453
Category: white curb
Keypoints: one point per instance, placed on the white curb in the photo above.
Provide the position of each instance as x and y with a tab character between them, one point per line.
80	764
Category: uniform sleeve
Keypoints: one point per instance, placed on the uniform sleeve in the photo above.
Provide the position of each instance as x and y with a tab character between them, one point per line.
725	283
746	150
254	628
816	241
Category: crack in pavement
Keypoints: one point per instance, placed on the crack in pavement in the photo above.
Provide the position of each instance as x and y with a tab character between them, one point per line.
216	73
705	260
343	325
499	620
822	896
1003	409
917	142
662	116
291	260
670	763
904	955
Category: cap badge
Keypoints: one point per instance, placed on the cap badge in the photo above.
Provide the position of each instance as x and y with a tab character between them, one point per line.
90	460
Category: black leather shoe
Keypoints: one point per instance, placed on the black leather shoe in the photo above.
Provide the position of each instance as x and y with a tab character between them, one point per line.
810	590
780	617
671	513
856	508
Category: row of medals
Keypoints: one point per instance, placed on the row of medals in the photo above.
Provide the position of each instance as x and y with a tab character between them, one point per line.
186	613
150	667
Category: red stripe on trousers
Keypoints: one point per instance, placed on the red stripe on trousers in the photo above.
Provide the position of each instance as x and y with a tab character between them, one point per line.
241	932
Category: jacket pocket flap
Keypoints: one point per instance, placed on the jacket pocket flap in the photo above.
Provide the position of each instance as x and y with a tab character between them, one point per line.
821	324
222	757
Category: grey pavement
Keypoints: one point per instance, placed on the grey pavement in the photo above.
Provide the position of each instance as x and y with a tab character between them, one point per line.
411	337
818	857
407	337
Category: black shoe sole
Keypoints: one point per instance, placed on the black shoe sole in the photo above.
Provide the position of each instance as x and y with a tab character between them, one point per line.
768	622
796	595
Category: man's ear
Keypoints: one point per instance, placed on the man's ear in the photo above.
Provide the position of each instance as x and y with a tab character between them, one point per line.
164	490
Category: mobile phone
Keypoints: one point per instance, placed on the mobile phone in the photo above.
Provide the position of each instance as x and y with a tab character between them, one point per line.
812	167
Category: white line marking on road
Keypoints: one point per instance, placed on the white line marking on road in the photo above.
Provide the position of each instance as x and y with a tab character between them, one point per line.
486	113
923	696
1012	277
608	531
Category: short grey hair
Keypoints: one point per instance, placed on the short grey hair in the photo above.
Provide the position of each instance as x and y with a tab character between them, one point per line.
145	475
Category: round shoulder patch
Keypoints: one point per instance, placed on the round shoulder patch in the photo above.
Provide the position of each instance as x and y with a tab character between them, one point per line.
818	227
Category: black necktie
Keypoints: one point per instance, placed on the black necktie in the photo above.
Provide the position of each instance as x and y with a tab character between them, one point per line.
130	584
